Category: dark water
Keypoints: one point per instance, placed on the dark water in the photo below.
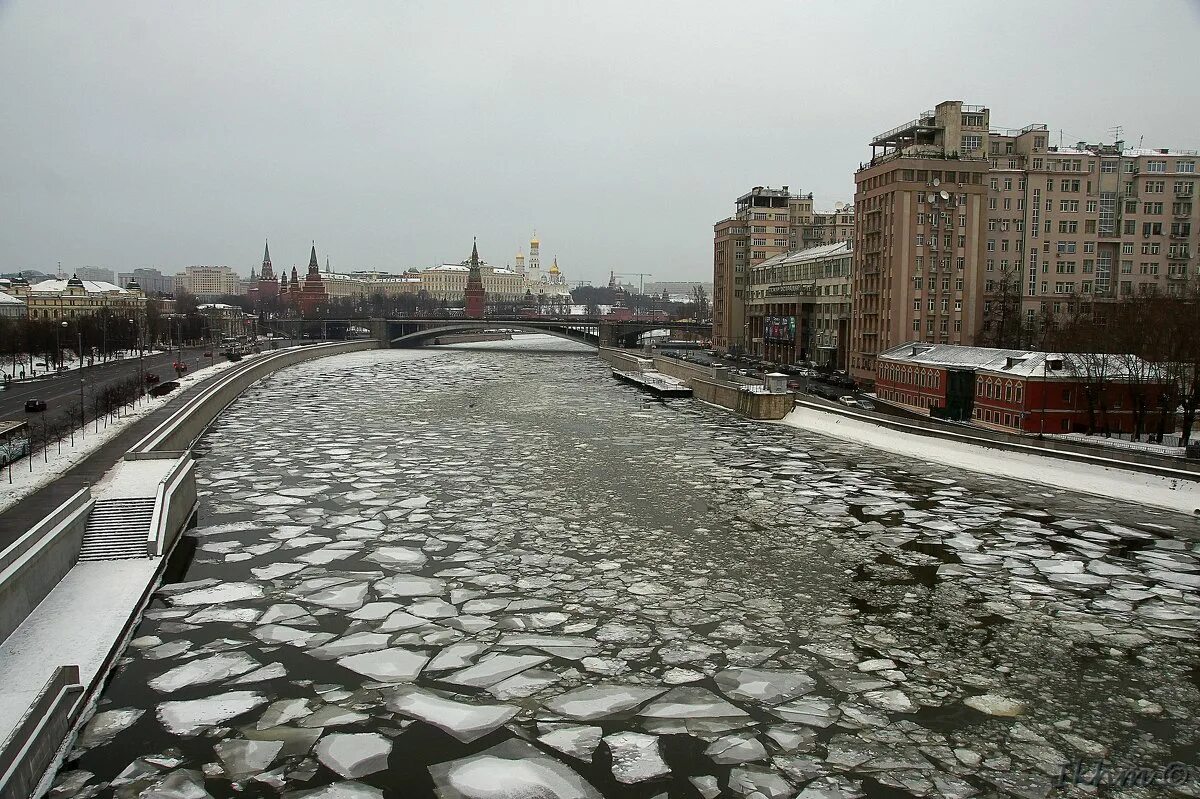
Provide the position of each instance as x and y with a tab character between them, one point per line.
423	560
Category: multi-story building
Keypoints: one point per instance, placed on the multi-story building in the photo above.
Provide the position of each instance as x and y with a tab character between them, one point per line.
830	227
208	281
1016	390
449	282
966	233
11	307
96	274
920	211
73	298
1070	228
151	281
766	223
798	305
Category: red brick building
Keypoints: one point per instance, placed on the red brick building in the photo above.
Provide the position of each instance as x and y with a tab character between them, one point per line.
1016	390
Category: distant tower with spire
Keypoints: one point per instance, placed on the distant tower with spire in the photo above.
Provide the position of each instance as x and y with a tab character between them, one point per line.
534	273
520	263
266	288
313	292
476	297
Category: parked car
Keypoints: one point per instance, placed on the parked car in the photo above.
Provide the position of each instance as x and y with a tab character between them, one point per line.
179	366
151	378
866	404
848	401
35	406
208	353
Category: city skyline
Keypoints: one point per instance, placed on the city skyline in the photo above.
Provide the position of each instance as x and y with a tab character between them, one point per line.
396	130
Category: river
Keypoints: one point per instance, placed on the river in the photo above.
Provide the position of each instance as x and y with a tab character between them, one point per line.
493	571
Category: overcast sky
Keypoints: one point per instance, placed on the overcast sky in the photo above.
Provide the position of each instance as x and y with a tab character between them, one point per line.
174	133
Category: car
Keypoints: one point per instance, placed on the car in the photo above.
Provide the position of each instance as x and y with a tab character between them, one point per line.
208	353
179	366
151	378
848	401
866	404
35	406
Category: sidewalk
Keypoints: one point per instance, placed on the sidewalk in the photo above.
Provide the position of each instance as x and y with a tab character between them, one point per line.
30	509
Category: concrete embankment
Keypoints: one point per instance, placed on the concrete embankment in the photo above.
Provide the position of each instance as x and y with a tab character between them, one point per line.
710	384
1173	489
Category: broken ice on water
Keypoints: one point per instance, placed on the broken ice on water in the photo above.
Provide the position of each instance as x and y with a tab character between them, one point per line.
804	617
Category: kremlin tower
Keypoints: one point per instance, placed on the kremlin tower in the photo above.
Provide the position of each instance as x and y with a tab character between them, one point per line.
534	272
476	298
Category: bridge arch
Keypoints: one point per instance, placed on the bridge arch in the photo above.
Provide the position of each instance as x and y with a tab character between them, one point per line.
582	333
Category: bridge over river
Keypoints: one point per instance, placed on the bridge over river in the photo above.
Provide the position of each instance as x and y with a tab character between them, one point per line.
606	331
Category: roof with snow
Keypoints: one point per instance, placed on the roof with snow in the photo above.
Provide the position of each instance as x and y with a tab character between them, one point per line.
1023	363
810	254
8	299
55	286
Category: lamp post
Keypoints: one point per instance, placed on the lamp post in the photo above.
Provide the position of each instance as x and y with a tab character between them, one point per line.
82	416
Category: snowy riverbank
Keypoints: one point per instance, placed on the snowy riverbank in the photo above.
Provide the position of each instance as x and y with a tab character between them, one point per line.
24	477
1163	492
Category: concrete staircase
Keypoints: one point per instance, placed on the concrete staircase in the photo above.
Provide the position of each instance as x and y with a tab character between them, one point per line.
117	529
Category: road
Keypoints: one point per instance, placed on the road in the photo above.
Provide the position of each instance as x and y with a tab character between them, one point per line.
62	390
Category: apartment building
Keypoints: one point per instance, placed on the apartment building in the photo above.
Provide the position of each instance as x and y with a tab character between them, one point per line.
919	239
798	305
1073	227
766	223
208	281
960	226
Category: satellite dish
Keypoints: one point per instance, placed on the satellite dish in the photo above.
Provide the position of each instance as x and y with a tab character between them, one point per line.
931	197
936	182
945	195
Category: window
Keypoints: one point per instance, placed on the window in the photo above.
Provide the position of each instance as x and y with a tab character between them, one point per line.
1108	166
1068	206
971	142
1091	206
1185	166
1156	186
991	203
1008	184
1156	166
991	245
920	239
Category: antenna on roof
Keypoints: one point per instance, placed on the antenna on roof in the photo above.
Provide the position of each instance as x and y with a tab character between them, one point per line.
1116	131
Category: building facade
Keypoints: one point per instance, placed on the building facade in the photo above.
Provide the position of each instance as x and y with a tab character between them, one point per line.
208	281
12	307
74	298
1015	390
95	274
151	281
766	223
798	306
967	232
920	211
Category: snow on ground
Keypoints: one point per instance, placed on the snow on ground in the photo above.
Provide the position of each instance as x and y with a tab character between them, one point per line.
76	624
20	481
69	364
138	478
1163	492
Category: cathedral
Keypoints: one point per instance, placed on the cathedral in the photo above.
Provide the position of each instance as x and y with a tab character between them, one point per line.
552	283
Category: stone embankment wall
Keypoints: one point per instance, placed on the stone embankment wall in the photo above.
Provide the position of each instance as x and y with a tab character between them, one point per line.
707	383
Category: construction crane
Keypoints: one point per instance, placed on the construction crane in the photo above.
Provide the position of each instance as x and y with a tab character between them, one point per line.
641	276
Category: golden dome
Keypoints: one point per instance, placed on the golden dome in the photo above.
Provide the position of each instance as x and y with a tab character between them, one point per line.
554	266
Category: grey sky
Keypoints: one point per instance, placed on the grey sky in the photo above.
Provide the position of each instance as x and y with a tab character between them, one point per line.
166	134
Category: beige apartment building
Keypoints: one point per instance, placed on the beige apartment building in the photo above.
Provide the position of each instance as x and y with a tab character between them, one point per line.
798	305
211	281
919	246
766	223
959	224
